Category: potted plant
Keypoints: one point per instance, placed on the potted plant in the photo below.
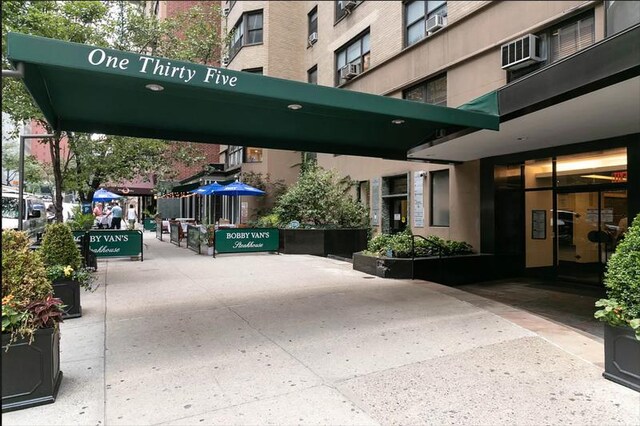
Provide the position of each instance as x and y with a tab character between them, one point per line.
210	237
63	264
620	311
30	335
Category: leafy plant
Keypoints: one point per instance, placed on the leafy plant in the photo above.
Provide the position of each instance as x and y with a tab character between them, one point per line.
59	247
400	246
80	221
211	233
82	275
269	221
27	304
320	199
622	281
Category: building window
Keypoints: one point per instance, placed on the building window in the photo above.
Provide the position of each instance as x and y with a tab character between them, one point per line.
561	41
621	15
357	51
433	91
231	3
343	8
416	14
440	198
253	155
249	23
570	38
254	70
313	26
312	75
234	156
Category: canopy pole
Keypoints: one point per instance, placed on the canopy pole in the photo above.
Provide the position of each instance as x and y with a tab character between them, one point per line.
17	73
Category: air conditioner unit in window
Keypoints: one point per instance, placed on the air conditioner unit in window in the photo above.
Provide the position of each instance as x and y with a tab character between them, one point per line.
225	61
524	51
434	23
350	70
225	11
313	37
348	6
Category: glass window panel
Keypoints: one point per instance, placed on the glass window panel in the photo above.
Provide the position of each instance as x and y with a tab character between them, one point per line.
254	36
366	61
538	173
342	59
254	21
437	91
313	76
254	155
415	32
365	43
598	167
433	5
415	94
415	11
353	52
440	198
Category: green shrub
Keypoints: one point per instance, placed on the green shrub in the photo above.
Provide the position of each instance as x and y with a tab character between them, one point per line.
269	221
59	248
23	273
27	304
622	280
320	199
81	221
400	245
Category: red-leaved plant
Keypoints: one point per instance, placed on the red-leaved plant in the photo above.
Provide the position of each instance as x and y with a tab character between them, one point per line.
46	312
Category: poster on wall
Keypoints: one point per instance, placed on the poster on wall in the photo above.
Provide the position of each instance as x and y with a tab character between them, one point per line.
538	224
418	199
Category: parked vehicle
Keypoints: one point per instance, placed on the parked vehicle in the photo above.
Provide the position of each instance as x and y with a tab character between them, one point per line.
34	216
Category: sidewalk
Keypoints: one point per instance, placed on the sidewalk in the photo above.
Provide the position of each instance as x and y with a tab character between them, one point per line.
183	339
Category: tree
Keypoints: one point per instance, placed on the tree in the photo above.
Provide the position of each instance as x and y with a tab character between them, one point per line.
191	35
321	198
34	173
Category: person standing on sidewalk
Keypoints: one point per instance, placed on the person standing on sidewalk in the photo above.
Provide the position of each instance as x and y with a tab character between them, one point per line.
116	216
132	216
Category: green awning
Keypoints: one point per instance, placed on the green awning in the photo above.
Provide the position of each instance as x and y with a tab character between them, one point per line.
88	89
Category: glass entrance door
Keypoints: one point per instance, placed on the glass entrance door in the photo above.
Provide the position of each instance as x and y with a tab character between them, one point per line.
588	228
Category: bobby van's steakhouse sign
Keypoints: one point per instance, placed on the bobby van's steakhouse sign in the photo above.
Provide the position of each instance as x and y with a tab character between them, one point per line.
161	67
247	239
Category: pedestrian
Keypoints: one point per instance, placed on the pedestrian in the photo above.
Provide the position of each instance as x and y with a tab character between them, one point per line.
105	219
132	216
116	216
97	210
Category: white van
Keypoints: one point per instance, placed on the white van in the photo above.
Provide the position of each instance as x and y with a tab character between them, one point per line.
34	216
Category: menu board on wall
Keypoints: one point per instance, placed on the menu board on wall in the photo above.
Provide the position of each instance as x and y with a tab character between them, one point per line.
418	200
538	224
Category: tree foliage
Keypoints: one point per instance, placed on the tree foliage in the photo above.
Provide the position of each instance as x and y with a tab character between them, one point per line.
191	35
622	280
34	172
321	198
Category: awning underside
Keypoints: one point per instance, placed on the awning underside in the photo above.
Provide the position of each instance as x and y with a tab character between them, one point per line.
75	95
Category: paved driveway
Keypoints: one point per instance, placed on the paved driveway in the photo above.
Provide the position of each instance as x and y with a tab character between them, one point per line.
276	339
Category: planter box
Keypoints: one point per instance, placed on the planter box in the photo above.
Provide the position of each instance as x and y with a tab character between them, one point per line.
453	270
31	373
622	356
323	242
69	292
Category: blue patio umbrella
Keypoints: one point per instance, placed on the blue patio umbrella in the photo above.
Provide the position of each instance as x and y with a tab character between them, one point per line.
104	195
209	189
238	188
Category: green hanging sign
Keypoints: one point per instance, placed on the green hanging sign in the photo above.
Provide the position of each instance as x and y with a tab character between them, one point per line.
242	240
113	242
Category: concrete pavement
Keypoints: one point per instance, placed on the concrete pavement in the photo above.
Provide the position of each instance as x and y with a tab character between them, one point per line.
183	339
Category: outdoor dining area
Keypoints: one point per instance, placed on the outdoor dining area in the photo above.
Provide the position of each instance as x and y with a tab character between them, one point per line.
201	237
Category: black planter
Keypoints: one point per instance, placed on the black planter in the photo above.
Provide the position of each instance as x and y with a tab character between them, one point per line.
452	270
69	292
323	242
622	356
30	372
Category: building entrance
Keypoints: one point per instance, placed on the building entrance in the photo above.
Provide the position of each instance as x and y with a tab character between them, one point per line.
590	223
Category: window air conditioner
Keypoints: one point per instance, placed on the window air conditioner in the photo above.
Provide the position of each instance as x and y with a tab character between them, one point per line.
349	71
225	61
521	52
348	6
313	37
434	23
225	11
